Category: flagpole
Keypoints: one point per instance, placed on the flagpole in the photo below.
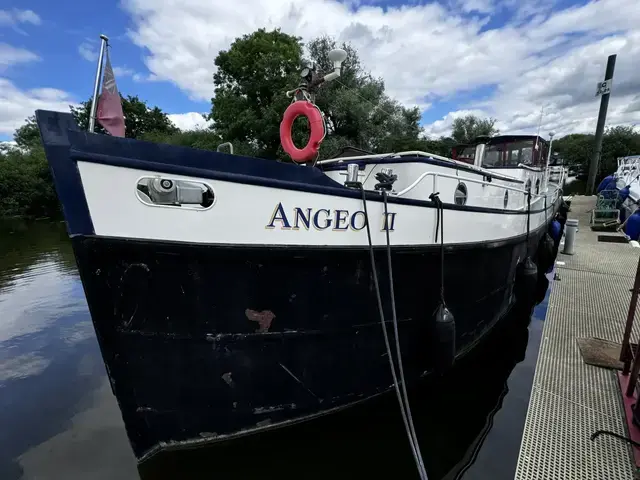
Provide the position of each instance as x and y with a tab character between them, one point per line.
96	86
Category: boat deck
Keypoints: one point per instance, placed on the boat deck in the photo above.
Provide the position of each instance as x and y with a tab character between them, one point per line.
570	400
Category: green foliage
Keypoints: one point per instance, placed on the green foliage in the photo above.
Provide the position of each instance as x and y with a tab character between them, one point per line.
257	70
466	129
28	134
250	83
577	149
139	118
26	187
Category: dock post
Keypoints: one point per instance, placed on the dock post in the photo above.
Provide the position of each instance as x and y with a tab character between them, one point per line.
602	118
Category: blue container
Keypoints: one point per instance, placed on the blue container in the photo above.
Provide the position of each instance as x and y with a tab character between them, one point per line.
632	228
607	183
623	194
555	230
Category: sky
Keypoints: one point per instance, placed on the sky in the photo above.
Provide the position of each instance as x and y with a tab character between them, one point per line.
510	59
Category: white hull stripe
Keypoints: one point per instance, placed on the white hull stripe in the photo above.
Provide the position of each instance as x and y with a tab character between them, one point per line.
258	215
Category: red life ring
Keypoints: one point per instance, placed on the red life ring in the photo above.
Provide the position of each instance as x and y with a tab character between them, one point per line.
316	123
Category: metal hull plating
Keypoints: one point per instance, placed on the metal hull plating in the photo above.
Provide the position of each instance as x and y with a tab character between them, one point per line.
205	342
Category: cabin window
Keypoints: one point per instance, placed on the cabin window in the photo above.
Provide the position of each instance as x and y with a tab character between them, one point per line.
520	152
466	155
493	156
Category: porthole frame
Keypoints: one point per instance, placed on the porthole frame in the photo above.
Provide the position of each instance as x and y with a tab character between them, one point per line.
461	187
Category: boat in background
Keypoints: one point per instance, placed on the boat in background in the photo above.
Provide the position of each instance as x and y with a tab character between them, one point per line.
232	295
626	180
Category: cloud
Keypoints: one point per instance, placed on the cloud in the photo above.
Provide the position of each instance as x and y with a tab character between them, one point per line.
443	127
123	72
11	56
88	52
17	105
15	16
189	121
424	52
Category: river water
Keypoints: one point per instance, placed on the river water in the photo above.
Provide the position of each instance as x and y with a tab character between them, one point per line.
59	419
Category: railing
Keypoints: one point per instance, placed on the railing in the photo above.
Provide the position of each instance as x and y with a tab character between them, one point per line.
537	197
459	178
628	167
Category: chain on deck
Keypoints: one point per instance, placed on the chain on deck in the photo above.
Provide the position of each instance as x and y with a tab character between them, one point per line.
570	400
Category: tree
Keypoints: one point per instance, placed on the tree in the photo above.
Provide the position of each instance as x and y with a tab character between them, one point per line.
257	70
28	134
139	118
620	141
250	85
577	148
466	129
26	187
356	107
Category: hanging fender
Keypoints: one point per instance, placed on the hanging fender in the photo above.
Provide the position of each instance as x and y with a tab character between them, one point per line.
316	124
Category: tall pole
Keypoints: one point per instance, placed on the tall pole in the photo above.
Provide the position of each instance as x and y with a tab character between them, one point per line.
96	86
602	118
546	169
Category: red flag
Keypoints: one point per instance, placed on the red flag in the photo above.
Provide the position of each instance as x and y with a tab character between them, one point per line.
109	112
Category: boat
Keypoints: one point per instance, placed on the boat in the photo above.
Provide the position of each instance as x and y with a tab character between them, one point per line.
231	295
626	181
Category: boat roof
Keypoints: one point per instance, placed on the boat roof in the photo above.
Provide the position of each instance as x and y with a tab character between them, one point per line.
514	138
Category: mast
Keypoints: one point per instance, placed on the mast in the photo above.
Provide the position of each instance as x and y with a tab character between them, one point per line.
104	40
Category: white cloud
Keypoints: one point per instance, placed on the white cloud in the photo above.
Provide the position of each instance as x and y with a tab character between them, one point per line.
479	6
17	105
11	56
424	52
443	127
189	121
16	16
88	51
122	72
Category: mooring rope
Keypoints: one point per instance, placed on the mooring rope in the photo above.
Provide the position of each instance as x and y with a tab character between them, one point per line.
402	396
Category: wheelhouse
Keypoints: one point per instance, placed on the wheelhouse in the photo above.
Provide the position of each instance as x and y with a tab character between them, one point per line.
506	151
464	152
512	151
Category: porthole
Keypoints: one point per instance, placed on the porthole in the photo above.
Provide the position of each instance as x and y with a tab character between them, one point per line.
460	195
506	198
537	186
528	185
167	192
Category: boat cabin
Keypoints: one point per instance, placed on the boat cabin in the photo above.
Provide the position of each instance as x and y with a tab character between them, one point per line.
464	152
506	151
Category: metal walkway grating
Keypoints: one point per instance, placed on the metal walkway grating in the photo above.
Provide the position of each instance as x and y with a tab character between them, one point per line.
570	400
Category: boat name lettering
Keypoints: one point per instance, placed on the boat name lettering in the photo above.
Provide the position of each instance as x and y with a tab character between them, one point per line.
298	218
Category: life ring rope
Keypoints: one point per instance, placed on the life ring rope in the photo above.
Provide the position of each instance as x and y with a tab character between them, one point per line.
316	124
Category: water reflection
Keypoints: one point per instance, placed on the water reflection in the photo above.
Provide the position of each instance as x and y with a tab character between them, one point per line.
59	419
49	359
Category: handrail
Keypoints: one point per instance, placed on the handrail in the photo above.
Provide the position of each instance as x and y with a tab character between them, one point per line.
530	168
417	153
455	177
